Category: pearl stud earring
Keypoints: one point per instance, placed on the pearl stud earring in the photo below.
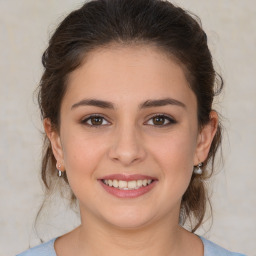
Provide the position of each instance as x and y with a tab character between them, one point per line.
58	169
198	170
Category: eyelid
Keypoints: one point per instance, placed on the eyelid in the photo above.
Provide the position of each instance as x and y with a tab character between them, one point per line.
85	119
166	116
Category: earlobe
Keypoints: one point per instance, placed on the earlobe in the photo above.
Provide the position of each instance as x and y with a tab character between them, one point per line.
205	138
54	138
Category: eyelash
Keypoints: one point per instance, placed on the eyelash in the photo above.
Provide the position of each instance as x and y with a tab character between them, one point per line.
84	121
170	120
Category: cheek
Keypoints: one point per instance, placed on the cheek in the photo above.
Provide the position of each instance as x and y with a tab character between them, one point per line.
78	148
175	155
82	156
175	150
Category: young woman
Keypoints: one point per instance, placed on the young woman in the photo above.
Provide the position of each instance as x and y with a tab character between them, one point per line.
126	101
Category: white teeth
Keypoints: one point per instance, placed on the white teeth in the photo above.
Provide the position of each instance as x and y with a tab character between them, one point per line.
122	184
127	185
115	183
139	183
145	183
132	184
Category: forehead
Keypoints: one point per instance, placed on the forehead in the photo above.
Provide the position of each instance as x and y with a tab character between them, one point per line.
129	71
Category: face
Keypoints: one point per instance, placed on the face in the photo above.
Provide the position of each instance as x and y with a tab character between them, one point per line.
129	136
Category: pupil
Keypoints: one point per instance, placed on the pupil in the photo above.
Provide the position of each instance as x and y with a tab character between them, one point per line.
96	120
158	120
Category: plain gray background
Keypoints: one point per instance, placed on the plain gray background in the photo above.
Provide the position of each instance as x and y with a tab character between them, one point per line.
25	26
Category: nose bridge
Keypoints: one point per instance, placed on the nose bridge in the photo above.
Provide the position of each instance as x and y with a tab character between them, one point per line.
127	144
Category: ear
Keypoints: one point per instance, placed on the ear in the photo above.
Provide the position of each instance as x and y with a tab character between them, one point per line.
205	138
54	138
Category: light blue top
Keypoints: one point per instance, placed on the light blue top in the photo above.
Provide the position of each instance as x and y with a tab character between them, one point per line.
47	249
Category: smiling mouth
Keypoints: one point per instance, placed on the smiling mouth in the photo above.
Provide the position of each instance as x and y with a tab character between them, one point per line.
127	185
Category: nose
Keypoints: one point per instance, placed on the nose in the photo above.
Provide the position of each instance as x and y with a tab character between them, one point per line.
127	147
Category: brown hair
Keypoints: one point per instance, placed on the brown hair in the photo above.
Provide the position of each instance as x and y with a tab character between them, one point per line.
99	23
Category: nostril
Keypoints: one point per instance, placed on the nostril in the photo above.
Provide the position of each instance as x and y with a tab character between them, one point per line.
127	154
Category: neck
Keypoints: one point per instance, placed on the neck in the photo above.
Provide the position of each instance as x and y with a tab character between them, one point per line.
159	238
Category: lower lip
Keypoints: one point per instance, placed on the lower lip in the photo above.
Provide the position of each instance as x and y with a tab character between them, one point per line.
128	193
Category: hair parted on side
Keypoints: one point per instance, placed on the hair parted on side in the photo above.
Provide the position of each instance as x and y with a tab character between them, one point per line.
99	23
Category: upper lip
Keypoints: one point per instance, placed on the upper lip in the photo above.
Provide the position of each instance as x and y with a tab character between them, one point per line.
127	177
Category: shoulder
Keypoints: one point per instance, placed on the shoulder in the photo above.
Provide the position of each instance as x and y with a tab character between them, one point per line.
45	249
212	249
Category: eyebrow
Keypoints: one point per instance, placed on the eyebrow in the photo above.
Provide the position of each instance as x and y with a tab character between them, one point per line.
93	102
146	104
161	102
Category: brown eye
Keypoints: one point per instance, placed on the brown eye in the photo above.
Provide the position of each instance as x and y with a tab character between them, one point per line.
95	121
161	120
158	120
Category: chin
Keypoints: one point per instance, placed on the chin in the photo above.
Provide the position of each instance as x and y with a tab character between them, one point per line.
131	224
129	219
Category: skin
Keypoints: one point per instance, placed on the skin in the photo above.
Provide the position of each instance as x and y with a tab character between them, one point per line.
129	140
